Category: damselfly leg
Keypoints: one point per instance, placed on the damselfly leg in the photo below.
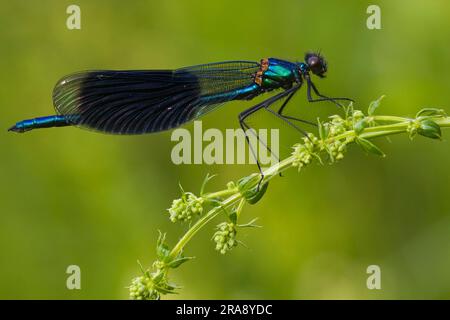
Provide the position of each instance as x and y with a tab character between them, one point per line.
280	112
310	85
265	105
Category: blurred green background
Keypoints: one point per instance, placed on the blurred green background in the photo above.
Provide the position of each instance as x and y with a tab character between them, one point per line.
70	196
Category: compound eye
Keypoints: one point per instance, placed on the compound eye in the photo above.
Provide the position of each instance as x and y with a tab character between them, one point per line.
314	62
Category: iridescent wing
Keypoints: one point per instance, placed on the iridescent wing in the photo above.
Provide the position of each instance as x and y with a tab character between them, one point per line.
143	101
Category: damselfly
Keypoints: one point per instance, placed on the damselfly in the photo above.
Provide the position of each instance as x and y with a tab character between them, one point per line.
146	101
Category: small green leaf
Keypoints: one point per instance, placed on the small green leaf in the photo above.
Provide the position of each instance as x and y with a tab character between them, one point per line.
157	277
374	105
207	178
178	262
369	147
233	216
323	134
348	109
430	129
162	249
360	126
215	202
431	112
142	268
248	187
167	289
250	224
183	194
254	195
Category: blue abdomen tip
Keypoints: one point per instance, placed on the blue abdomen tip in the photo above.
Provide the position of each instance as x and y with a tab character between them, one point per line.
41	122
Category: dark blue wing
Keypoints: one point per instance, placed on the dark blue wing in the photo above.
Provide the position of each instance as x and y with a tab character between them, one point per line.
142	101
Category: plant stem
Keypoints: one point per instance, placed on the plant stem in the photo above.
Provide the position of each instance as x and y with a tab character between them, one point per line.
222	193
400	126
390	118
201	222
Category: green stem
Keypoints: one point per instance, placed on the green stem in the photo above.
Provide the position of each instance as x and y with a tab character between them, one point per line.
234	196
390	118
239	208
221	194
201	222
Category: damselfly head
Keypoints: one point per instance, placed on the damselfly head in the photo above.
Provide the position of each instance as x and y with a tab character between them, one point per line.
316	63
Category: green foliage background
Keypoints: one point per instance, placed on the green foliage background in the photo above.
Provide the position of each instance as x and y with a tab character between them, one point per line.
69	196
